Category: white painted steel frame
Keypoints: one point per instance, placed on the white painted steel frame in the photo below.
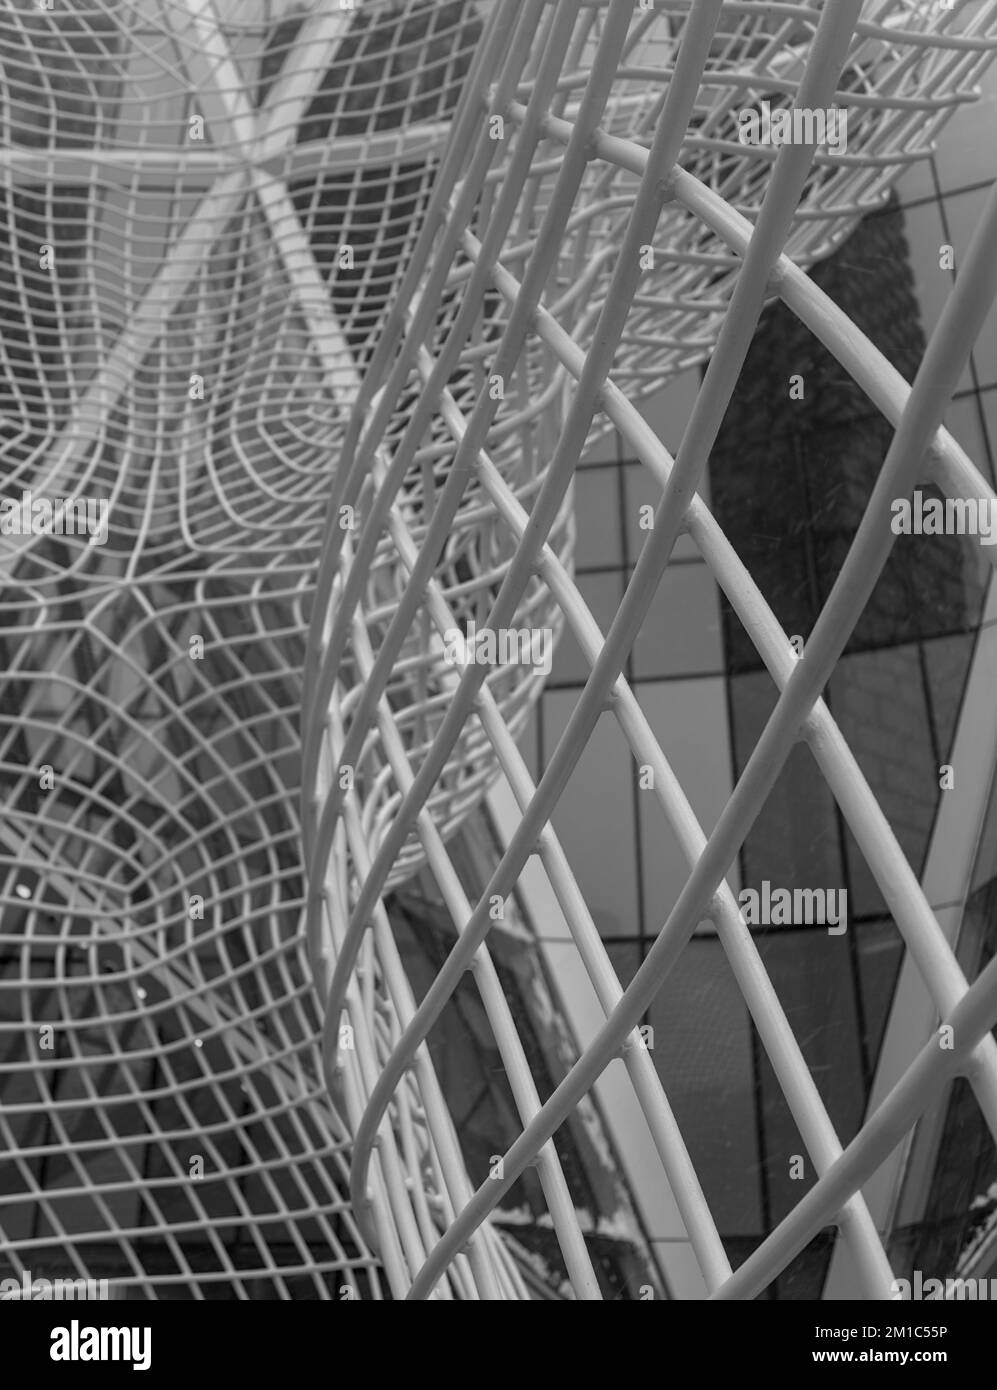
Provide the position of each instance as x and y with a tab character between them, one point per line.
764	271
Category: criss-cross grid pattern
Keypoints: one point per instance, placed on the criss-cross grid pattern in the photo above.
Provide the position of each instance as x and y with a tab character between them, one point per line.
227	223
596	224
181	339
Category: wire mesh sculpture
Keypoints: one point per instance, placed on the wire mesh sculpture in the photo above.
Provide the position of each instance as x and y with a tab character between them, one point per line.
337	291
174	347
589	189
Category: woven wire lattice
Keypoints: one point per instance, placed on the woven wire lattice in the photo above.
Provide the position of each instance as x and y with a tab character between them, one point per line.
399	251
596	225
175	344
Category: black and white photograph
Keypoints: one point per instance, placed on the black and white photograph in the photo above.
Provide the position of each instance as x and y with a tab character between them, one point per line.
498	674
